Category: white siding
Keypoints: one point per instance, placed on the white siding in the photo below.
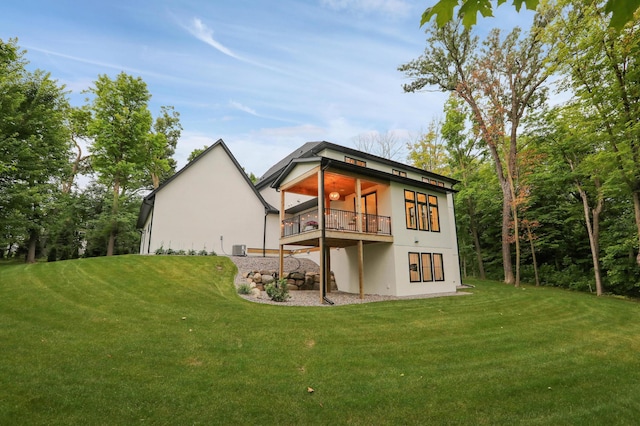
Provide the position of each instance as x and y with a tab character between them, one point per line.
208	201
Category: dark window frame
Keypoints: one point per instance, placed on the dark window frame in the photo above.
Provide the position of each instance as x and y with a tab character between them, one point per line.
417	269
355	161
438	266
434	213
408	210
422	209
422	267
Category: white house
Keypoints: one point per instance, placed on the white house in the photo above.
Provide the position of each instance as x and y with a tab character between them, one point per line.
381	226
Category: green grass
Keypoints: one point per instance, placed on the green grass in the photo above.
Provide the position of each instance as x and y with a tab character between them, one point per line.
103	341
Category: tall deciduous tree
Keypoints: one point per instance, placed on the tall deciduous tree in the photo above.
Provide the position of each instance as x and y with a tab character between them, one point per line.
602	69
120	128
429	152
34	147
161	145
462	148
385	145
499	84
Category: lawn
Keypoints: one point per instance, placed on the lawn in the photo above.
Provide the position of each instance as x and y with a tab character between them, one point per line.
165	340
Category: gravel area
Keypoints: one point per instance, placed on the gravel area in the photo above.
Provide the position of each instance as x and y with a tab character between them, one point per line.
306	297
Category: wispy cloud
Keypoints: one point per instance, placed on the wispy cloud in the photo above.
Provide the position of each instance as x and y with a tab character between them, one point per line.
203	33
239	106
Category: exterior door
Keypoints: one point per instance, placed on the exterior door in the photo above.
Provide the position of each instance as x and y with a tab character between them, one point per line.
369	209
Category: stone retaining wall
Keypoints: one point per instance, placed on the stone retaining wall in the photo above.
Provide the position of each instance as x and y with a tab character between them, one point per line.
295	280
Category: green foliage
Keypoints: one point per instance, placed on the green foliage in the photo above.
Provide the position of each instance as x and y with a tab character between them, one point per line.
622	11
196	152
34	149
167	340
244	288
278	291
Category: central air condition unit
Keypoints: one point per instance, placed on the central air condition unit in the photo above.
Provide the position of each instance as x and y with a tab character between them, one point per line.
239	250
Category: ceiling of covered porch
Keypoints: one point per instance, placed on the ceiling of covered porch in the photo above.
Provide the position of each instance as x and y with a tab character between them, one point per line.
333	182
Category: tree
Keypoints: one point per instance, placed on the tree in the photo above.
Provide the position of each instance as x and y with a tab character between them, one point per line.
161	145
120	128
600	66
622	10
34	144
385	145
428	151
196	152
499	85
462	148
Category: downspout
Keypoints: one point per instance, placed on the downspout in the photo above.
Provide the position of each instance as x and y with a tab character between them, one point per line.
327	273
150	231
264	234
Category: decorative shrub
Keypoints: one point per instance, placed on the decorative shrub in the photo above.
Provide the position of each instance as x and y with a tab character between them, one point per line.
160	250
278	291
191	252
244	288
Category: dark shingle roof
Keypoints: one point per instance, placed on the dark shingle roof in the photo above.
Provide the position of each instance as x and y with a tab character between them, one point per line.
276	168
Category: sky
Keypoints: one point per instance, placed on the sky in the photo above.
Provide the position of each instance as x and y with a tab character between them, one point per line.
265	76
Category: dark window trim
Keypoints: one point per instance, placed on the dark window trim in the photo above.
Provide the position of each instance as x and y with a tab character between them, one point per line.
417	265
422	255
419	205
415	210
437	209
433	265
355	161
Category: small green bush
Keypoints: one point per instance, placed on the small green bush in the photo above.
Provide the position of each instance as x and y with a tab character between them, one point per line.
191	252
244	288
160	250
278	290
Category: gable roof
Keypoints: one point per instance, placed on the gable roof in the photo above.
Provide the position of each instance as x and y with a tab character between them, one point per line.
148	201
311	149
275	170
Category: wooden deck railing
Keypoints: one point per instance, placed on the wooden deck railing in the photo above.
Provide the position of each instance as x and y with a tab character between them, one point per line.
340	220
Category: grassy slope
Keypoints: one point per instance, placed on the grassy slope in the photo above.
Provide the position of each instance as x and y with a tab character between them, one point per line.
102	341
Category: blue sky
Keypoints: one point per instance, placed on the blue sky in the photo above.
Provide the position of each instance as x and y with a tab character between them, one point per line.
265	76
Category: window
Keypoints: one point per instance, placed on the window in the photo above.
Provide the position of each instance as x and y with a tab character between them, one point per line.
414	267
410	208
427	272
399	173
425	267
438	267
423	212
433	213
355	161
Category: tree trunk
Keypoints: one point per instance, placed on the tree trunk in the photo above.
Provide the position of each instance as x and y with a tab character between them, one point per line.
114	222
476	239
33	241
636	208
533	254
593	231
506	221
476	243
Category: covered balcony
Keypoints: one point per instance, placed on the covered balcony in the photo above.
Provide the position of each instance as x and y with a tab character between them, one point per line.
325	203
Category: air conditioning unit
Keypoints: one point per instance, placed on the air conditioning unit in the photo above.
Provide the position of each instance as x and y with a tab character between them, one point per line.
239	250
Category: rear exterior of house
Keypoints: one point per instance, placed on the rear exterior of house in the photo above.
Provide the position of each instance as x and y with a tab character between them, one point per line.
381	226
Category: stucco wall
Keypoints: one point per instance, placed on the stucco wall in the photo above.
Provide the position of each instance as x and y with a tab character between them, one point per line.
209	200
